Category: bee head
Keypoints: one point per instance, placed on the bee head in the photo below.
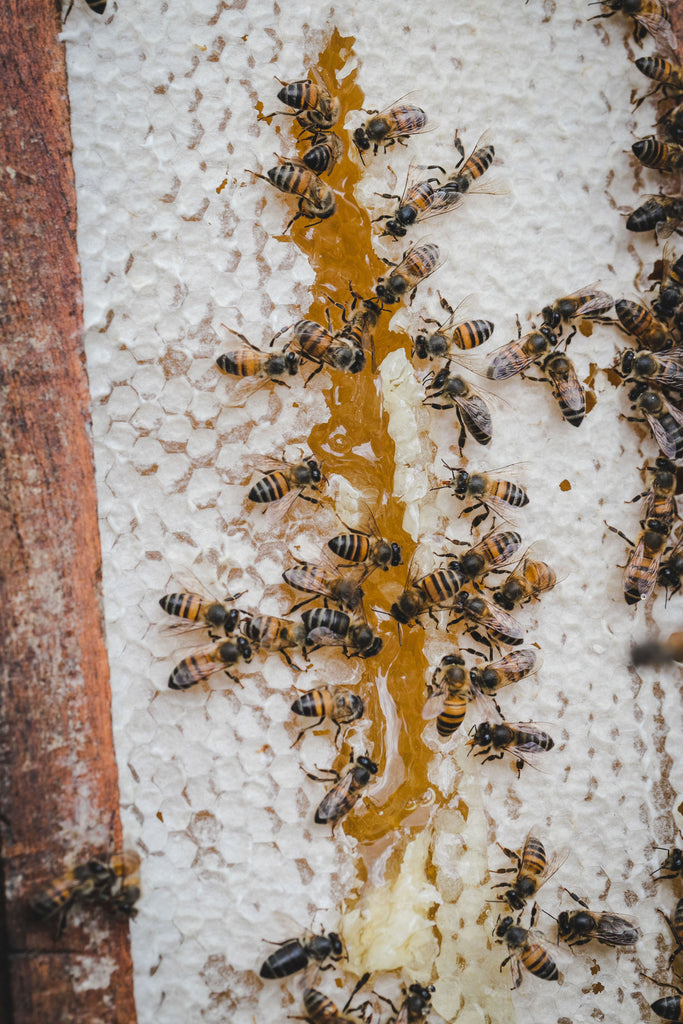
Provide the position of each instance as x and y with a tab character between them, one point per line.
292	363
244	648
360	140
420	346
551	317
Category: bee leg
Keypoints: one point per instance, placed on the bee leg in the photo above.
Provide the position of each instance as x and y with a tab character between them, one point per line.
663	984
314	726
619	534
519	327
519	764
315	372
68	12
385	1000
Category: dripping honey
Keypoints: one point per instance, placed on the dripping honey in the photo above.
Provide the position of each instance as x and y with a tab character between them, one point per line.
340	252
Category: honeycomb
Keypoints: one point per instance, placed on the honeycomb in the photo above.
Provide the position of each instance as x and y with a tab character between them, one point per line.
177	238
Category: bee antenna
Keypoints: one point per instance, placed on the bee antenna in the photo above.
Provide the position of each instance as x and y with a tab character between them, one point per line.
548	913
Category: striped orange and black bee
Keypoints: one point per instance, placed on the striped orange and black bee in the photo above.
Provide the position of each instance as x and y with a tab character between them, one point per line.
418	262
524	950
667	75
395	124
368	548
588	303
643	325
321	346
486	492
664	419
577	927
521	739
526	582
517	355
669	303
651	16
532	869
346	791
642	567
480	613
446	390
314	108
341	706
205	661
271	634
342	588
416	202
323	157
666	157
329	627
492	552
662	369
667	1007
449	694
659	213
454	333
467	172
316	198
494	675
287	481
252	362
217	616
659	501
424	594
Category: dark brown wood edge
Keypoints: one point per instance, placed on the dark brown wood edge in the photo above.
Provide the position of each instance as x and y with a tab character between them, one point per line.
59	796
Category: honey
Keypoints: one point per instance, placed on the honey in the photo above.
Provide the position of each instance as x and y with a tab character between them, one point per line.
358	447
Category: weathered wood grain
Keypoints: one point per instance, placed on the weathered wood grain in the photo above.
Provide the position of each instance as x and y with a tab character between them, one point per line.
58	777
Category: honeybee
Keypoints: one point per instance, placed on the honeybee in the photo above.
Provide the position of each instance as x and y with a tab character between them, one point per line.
493	551
417	1002
500	627
649	16
321	1010
294	955
487	492
395	124
587	304
527	582
316	198
524	951
341	707
471	410
323	158
663	72
341	588
216	615
671	571
672	124
315	109
450	692
425	593
532	870
468	171
452	333
668	1007
329	627
326	349
252	362
580	926
418	262
122	886
566	386
494	675
642	568
272	634
639	322
675	923
663	156
346	791
358	330
206	660
368	548
519	740
661	214
517	355
419	195
63	891
670	299
666	370
288	481
664	420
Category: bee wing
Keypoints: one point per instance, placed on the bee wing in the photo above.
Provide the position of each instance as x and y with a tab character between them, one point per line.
643	582
553	864
666	443
672	375
243	389
668	259
516	970
434	705
509	360
569	389
408	106
613	930
659	28
499	620
475	408
301	578
598	303
198	665
339	793
324	637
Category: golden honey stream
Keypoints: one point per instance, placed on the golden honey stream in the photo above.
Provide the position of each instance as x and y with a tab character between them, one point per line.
355	443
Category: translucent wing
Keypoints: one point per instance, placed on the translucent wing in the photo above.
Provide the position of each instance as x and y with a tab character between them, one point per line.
667	443
598	303
475	409
659	28
640	579
569	390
